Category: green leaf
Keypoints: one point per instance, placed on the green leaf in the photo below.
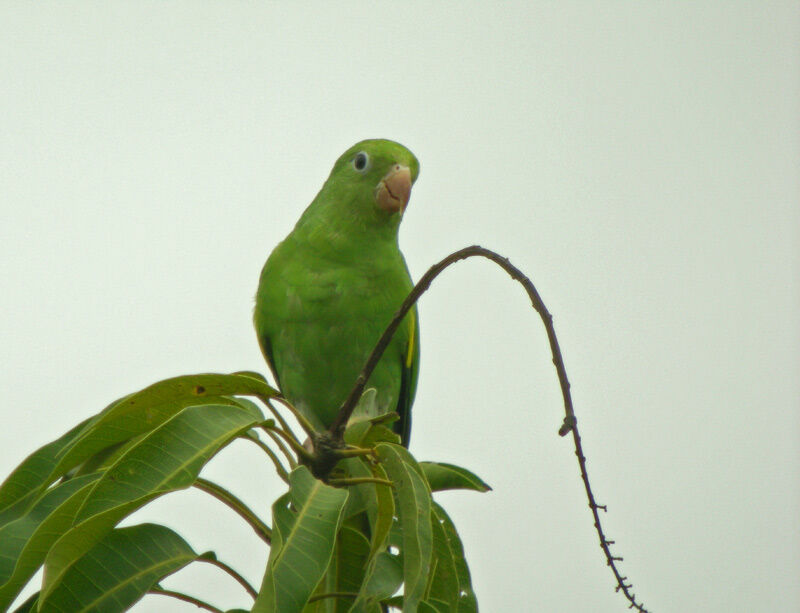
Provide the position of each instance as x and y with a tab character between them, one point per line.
252	374
384	516
118	570
355	432
28	476
361	496
451	582
370	432
443	476
414	512
167	459
379	433
374	498
147	409
384	578
305	523
24	542
345	572
433	606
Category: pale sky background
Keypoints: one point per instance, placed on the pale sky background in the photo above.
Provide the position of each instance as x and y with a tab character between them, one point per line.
640	161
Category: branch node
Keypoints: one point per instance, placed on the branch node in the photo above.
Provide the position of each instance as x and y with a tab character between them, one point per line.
570	421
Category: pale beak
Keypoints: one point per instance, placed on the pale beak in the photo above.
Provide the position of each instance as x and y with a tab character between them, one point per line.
394	189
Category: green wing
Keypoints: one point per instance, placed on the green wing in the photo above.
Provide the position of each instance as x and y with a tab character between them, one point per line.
408	380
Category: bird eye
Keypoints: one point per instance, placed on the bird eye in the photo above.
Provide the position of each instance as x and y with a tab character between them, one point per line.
360	161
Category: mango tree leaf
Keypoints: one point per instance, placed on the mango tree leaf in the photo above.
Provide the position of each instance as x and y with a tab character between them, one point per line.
24	542
167	459
414	512
374	498
355	432
384	515
361	498
443	476
384	577
149	408
433	606
368	433
451	582
252	374
345	572
118	570
305	523
28	476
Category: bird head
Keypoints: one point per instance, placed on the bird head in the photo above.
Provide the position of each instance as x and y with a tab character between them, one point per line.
379	173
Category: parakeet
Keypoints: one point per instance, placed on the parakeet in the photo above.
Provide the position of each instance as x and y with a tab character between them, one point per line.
330	288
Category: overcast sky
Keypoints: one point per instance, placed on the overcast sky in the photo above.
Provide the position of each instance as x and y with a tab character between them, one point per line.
639	160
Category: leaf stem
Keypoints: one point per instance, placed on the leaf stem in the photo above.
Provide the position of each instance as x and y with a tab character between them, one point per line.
282	473
276	413
359	481
282	446
227	498
355	452
301	451
301	419
186	598
232	572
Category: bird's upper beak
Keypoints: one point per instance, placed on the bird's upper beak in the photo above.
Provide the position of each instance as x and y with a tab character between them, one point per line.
394	189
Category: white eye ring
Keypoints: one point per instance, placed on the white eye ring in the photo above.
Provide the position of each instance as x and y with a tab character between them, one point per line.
361	161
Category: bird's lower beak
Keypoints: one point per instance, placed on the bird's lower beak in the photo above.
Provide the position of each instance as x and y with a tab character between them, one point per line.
394	189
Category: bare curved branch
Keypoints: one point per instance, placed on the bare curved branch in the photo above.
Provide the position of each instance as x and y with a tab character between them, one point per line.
570	422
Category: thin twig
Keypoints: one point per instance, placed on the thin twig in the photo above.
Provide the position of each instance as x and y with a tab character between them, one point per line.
186	598
276	414
301	451
224	496
301	419
284	449
570	422
282	473
232	572
359	481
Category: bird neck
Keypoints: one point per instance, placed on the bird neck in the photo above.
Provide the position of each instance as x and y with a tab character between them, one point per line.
344	228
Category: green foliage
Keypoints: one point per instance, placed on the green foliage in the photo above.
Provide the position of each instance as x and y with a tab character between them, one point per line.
369	538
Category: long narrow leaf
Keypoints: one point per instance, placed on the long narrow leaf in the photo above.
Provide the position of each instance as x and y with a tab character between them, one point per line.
383	578
33	471
24	543
414	511
305	524
168	459
345	573
145	410
451	551
443	476
119	570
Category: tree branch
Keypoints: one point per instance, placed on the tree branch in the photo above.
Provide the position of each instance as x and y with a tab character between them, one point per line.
569	423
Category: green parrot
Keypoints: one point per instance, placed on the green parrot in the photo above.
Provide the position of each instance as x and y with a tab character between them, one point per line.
330	288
